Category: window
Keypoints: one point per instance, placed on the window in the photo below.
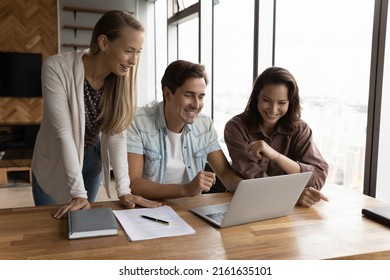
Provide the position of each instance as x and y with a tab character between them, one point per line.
326	44
233	61
160	46
183	4
382	184
188	40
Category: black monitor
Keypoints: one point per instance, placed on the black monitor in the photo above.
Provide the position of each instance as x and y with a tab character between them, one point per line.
20	74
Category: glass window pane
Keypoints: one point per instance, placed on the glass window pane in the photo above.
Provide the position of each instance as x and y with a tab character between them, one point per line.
382	184
326	44
233	61
188	40
161	51
186	3
266	17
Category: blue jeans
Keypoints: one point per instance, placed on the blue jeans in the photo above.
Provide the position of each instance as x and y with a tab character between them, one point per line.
92	176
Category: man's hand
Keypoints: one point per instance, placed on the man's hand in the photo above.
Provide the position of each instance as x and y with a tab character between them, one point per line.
202	182
311	196
130	201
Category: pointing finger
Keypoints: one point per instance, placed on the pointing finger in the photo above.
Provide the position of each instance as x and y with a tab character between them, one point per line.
324	197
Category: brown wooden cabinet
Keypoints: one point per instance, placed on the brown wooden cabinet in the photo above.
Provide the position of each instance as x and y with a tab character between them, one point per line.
16	148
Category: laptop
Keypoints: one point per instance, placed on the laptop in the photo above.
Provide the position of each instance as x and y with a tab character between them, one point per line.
256	200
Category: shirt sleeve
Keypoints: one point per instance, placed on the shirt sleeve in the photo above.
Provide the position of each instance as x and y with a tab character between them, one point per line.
134	139
237	141
309	157
302	149
213	139
118	158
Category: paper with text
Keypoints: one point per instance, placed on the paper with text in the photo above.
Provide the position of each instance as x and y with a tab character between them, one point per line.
138	228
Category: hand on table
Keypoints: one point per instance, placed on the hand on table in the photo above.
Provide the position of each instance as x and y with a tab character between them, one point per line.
311	196
75	204
130	201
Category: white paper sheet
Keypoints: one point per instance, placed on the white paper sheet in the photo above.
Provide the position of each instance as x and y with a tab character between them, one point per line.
138	228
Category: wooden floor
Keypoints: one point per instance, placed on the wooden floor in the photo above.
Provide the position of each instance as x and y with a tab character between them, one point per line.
19	195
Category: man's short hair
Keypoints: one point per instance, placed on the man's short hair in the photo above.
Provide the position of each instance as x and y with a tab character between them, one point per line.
179	71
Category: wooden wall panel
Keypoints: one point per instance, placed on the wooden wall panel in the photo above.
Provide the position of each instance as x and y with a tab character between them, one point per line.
21	110
27	26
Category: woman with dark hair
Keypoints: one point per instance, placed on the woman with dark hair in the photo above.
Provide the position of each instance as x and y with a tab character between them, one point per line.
89	100
269	138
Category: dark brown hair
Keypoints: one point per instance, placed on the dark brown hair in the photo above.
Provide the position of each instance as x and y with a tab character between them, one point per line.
276	76
179	71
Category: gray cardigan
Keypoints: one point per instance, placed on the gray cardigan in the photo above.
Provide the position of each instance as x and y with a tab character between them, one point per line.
59	148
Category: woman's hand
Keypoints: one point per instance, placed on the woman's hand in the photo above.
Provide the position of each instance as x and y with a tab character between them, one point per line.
75	204
261	149
127	200
130	201
311	196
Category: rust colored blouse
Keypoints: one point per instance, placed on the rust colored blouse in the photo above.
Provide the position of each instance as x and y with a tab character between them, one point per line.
297	145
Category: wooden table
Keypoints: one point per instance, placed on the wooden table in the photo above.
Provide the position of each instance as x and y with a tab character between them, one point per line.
333	230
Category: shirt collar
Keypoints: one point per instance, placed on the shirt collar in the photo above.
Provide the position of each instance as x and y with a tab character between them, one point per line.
160	119
253	129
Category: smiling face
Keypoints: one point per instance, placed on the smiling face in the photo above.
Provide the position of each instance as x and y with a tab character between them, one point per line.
272	105
122	53
184	105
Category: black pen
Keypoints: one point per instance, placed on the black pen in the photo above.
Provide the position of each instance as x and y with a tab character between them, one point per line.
155	219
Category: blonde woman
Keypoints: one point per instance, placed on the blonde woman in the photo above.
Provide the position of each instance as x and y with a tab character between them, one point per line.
89	100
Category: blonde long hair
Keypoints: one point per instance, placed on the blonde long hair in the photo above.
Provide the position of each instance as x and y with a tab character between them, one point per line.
119	99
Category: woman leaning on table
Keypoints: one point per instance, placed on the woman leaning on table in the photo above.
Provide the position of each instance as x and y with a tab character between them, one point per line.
269	138
89	100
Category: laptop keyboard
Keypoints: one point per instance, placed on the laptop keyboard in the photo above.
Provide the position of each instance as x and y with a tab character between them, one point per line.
218	217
